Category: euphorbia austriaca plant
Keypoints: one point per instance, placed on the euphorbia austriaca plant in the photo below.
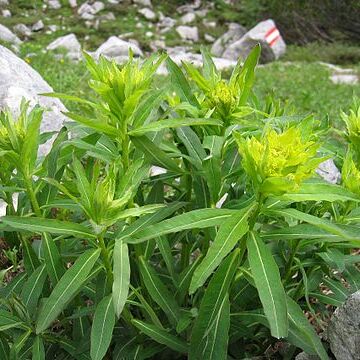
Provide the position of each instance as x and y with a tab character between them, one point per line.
216	256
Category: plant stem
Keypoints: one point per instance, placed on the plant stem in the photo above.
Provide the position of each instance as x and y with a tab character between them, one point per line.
125	152
106	257
34	203
289	263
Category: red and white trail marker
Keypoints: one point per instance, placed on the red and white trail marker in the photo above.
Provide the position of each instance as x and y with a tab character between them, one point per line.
272	36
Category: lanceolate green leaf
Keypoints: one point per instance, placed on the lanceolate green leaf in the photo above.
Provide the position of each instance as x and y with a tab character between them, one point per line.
268	283
102	328
301	333
161	336
31	261
320	191
52	226
154	154
321	223
173	123
209	336
148	220
9	321
66	289
53	262
32	289
180	83
202	218
121	270
230	232
94	124
38	350
159	293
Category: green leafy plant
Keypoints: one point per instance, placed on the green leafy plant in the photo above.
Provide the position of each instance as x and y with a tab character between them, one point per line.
180	220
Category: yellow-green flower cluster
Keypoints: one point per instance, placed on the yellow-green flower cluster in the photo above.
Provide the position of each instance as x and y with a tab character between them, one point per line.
278	162
351	175
352	121
223	97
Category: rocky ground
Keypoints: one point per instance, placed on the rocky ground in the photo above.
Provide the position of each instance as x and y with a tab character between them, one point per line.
111	27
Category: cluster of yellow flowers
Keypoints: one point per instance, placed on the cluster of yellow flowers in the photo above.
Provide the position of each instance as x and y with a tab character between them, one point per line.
278	162
223	97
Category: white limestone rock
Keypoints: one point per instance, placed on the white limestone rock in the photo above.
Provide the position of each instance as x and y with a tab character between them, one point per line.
265	33
6	13
8	36
147	13
118	49
18	80
190	33
68	42
329	172
145	3
39	25
234	33
73	3
180	54
347	79
188	18
22	30
54	4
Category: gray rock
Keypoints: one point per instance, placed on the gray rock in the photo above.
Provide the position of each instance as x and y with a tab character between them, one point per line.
344	329
209	38
305	356
85	8
329	172
167	22
147	14
189	7
108	17
18	80
265	33
4	2
52	28
188	18
180	54
54	4
348	79
22	30
234	33
114	2
39	25
209	24
73	3
117	49
8	36
97	6
146	3
88	11
6	13
68	42
155	45
188	32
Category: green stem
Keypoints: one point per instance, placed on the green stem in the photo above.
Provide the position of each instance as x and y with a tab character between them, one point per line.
125	152
34	203
289	263
106	257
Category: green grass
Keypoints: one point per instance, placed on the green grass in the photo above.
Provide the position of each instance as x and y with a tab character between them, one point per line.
333	53
307	87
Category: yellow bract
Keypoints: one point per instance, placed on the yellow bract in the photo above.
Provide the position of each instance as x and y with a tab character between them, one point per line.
284	158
